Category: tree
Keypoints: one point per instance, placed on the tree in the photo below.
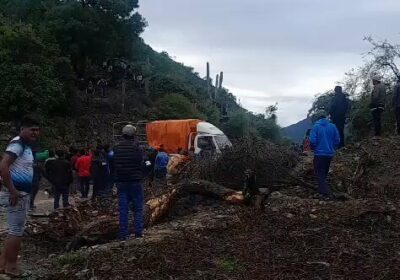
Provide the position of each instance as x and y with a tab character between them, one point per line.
175	106
29	81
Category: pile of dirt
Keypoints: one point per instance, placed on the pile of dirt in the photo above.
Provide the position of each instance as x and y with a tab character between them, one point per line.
295	238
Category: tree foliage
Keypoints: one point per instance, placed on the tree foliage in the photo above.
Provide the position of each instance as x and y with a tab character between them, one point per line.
48	47
28	65
381	60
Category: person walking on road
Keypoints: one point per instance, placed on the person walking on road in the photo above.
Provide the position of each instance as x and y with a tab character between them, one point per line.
59	173
377	104
16	170
129	165
324	139
82	165
338	110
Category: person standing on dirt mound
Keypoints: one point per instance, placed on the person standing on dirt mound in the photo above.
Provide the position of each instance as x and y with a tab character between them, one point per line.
16	170
396	104
377	105
338	110
324	139
129	166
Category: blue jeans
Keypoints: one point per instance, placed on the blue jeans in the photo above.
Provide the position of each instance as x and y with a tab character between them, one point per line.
130	194
321	167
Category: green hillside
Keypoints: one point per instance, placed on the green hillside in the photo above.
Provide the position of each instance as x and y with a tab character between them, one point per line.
51	50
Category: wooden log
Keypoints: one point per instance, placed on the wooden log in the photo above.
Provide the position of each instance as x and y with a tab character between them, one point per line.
106	228
213	190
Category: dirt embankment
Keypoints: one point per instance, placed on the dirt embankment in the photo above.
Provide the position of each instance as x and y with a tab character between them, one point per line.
296	236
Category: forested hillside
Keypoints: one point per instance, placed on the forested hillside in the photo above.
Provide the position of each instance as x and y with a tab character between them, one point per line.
51	52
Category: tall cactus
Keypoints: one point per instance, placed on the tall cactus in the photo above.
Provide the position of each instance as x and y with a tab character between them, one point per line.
216	86
208	80
221	79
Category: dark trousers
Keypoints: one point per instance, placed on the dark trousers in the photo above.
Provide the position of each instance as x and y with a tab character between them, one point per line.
84	183
397	112
58	192
321	169
130	195
377	118
34	191
99	189
340	126
103	92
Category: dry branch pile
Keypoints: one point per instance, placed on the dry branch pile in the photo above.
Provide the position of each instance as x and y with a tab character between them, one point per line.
367	169
271	163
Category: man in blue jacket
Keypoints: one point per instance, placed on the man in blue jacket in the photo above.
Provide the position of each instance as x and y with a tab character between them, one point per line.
324	139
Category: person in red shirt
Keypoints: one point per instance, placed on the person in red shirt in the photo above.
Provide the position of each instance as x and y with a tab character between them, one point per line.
83	165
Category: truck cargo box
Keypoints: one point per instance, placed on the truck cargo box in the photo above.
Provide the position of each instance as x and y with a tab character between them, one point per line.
172	134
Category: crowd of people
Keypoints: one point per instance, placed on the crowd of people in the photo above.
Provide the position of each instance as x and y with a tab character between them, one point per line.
125	166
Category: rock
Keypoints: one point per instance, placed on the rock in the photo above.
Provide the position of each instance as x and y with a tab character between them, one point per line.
312	216
289	215
389	218
131	259
274	209
81	274
276	195
106	268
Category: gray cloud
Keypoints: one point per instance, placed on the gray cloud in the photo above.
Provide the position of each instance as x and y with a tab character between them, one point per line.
285	50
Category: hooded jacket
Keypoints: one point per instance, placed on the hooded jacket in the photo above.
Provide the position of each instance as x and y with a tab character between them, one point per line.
324	138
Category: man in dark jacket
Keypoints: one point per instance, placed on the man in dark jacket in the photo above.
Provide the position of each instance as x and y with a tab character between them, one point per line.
129	165
324	139
396	104
338	111
377	104
100	173
59	173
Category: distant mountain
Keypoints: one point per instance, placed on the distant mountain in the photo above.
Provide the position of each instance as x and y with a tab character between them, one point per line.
296	132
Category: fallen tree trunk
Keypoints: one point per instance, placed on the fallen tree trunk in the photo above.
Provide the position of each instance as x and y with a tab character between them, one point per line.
212	190
106	228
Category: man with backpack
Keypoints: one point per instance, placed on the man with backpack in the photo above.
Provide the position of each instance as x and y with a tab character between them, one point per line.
16	170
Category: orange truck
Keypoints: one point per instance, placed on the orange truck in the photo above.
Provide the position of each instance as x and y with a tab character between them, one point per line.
186	135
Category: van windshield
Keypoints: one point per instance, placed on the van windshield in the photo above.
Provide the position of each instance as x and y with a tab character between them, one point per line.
222	141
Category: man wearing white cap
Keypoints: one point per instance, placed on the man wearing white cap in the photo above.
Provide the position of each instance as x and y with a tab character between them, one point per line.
377	104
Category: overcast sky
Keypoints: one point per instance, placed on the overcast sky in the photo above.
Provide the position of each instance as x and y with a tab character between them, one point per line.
283	51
